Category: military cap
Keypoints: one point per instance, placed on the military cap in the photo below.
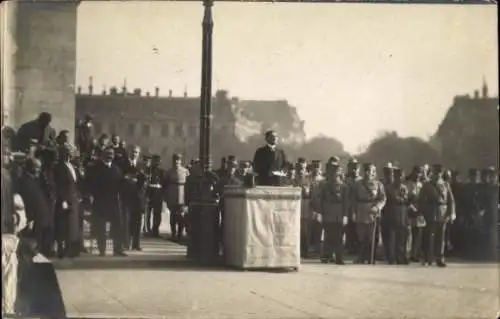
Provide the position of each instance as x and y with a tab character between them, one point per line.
389	166
316	163
438	168
334	161
155	156
353	161
232	162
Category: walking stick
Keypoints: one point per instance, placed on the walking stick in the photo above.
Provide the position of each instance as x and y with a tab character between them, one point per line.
374	244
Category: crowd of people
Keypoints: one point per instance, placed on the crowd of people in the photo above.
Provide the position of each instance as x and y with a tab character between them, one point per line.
417	217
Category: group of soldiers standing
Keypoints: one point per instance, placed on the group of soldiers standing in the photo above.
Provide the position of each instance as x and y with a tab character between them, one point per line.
416	217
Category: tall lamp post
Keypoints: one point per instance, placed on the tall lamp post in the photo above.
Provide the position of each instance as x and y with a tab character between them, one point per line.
206	87
203	215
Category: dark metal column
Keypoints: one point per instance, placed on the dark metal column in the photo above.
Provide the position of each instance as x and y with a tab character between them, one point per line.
203	209
206	86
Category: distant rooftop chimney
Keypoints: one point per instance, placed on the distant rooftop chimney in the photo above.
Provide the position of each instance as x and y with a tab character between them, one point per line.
113	91
169	93
235	100
185	91
104	92
124	87
485	89
91	85
476	94
79	90
148	94
137	92
221	94
157	91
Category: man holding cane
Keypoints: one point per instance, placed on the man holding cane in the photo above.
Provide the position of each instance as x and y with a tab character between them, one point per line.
368	196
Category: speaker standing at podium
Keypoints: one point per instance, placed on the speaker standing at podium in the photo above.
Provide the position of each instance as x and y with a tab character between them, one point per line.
269	162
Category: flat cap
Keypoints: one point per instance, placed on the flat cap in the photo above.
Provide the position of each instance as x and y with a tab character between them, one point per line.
389	166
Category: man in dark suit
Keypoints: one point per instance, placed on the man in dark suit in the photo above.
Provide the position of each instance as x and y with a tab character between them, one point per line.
36	205
84	137
105	186
133	199
155	190
269	161
67	205
38	129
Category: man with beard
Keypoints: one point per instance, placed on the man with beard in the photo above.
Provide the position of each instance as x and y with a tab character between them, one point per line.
174	184
334	207
105	185
438	206
67	205
368	196
133	199
396	219
269	162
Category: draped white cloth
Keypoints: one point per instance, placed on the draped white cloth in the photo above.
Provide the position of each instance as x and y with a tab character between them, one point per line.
262	227
9	273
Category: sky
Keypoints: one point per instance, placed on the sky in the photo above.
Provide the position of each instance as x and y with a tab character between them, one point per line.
352	70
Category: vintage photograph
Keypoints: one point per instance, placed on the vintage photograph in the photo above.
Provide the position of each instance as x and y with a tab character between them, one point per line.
250	159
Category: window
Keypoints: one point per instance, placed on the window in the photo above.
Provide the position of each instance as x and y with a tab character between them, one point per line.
165	130
97	128
146	130
131	129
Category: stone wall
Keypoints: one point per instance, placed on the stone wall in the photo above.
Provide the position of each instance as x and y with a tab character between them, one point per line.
44	62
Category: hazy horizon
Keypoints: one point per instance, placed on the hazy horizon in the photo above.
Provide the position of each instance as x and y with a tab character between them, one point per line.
352	70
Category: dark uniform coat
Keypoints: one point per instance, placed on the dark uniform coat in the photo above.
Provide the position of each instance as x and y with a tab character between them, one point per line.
67	191
105	186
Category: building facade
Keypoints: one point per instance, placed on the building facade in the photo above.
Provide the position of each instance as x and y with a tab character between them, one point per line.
169	124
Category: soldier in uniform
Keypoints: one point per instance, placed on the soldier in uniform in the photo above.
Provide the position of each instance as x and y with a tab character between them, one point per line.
174	184
471	209
155	194
438	206
396	219
315	223
488	203
387	181
146	170
303	181
223	167
133	199
457	228
416	219
334	207
368	196
351	177
229	178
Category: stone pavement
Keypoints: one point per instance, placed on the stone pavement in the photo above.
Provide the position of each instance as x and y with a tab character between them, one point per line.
159	283
316	291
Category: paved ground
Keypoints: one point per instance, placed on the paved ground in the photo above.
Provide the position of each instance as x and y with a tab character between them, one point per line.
158	283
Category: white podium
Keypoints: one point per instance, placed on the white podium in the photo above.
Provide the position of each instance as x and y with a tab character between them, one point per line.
262	227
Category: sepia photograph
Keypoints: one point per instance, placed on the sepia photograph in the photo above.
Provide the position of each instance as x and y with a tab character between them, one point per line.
220	159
